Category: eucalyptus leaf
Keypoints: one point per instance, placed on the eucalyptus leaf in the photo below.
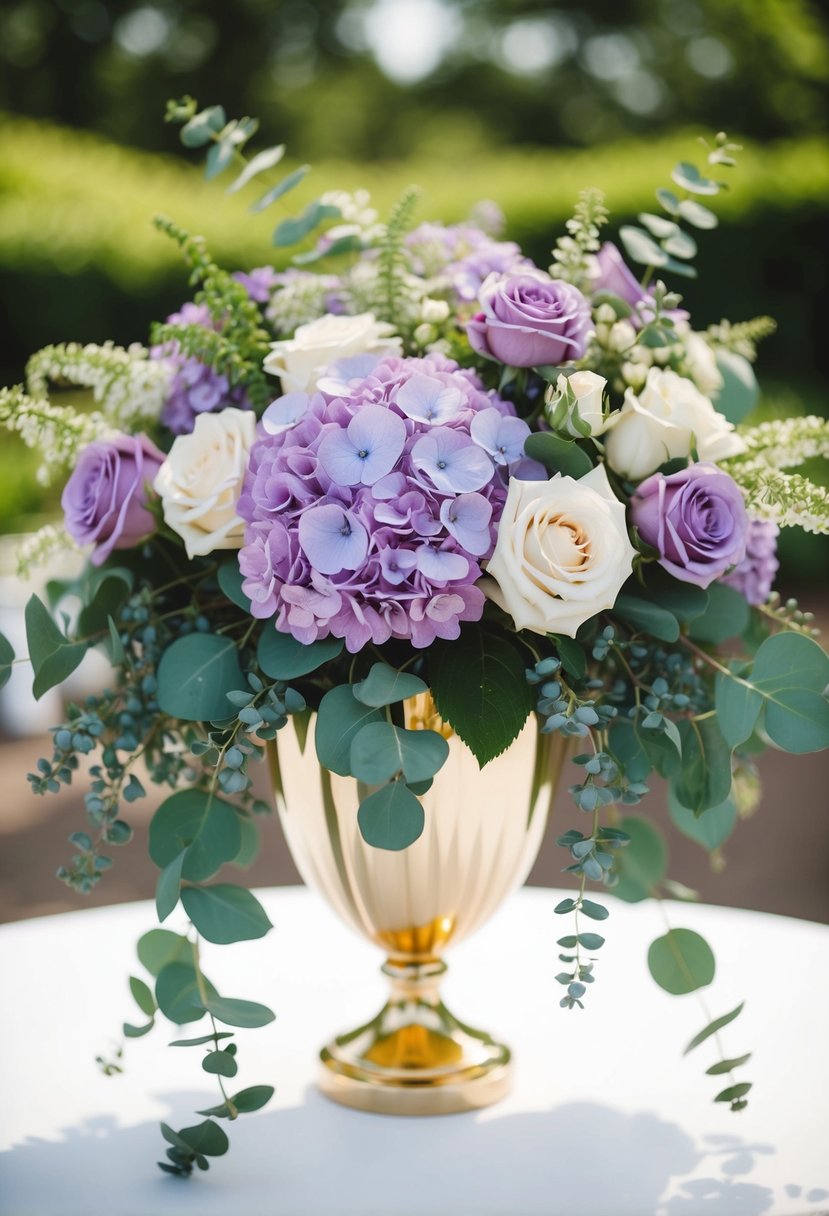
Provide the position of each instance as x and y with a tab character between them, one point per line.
142	996
168	887
385	686
195	675
711	829
203	824
264	160
641	247
626	746
681	961
202	1039
723	1066
740	391
734	1092
282	657
379	750
689	178
291	231
6	659
276	192
233	1012
52	655
107	593
738	708
339	719
680	244
668	200
207	1138
789	675
642	864
726	616
704	780
713	1027
159	947
220	1063
252	1098
225	913
178	995
657	225
648	617
229	578
695	213
391	818
202	127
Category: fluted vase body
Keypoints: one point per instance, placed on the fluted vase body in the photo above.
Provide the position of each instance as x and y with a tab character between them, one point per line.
482	832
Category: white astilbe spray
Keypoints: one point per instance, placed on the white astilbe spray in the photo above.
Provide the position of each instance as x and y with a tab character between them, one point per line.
787	499
129	387
58	432
41	547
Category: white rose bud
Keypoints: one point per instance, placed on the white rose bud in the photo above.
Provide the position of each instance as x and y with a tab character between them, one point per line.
634	374
435	312
622	336
667	419
424	334
301	361
562	552
200	481
578	396
605	314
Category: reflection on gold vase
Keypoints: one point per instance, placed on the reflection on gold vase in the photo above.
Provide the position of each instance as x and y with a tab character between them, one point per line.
482	832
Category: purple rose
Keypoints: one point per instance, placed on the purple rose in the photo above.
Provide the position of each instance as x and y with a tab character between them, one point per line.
105	500
695	519
529	319
614	275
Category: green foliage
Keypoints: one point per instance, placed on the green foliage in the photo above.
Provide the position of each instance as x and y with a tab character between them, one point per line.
225	913
558	455
391	818
195	675
282	657
198	822
6	659
379	751
385	686
681	961
642	865
339	719
479	687
52	655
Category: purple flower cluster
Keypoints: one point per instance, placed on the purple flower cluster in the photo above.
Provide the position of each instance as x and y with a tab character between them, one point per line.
463	254
370	511
194	388
754	576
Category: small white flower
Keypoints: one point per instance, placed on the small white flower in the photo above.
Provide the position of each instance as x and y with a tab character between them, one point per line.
583	393
702	364
562	552
304	359
200	481
667	419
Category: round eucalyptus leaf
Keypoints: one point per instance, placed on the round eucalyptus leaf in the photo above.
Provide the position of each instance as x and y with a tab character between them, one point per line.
225	913
681	961
339	719
221	1063
195	675
177	993
233	1012
379	750
740	391
159	947
252	1098
282	657
385	686
195	820
711	829
641	865
207	1138
391	818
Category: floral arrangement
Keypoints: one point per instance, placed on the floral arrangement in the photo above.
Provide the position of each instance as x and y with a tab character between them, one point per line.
430	467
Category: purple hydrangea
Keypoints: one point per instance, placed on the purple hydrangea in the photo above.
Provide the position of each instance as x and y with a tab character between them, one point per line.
259	283
754	576
462	254
369	512
194	387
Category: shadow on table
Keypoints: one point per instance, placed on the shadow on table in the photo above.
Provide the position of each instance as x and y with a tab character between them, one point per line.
579	1157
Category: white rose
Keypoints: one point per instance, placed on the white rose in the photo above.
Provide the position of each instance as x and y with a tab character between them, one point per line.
667	419
562	553
200	481
588	390
304	359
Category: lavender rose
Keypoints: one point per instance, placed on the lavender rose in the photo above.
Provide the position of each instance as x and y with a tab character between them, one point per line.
695	519
105	500
611	273
529	319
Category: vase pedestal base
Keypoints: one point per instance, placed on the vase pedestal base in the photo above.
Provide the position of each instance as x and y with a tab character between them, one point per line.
415	1057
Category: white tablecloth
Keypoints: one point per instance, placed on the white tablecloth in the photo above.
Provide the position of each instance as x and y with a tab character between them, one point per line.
606	1116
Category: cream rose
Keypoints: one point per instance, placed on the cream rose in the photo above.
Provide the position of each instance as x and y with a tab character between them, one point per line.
702	364
200	481
583	393
304	359
562	553
667	419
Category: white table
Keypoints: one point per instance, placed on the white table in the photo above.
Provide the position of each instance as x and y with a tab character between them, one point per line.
606	1119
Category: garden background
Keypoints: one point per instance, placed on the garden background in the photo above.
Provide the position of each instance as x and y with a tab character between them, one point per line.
523	103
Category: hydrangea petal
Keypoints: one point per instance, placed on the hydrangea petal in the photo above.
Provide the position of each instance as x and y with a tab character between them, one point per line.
332	538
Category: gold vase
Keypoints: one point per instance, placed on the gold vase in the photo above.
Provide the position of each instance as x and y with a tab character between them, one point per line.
482	832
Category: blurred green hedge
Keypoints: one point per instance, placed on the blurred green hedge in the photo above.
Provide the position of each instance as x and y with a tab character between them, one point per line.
80	259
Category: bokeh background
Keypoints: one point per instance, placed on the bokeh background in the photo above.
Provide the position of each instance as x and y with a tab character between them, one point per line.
520	102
